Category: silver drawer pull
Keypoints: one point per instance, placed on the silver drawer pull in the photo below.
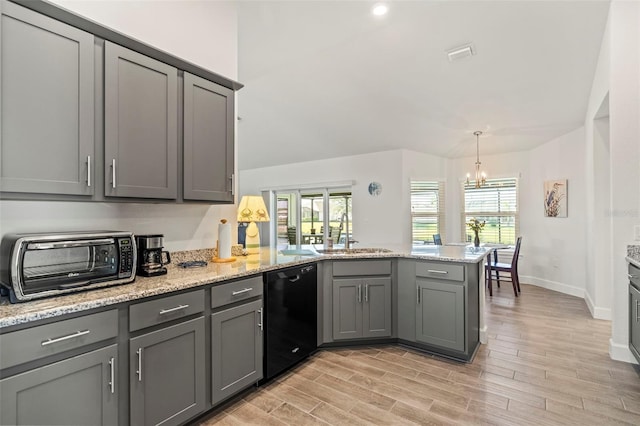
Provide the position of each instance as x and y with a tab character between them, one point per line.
245	290
435	271
63	338
177	308
631	276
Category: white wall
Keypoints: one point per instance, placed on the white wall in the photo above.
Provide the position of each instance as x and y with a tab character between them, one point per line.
378	221
202	32
624	110
553	252
199	31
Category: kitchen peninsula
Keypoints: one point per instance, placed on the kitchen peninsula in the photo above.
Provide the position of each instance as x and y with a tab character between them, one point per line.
430	299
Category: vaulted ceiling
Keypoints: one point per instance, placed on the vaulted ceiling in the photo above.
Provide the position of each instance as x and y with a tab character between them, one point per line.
328	79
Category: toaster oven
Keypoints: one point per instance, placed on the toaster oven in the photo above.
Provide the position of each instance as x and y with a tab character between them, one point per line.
41	265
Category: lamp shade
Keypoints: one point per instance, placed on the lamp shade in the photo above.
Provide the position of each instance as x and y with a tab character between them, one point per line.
252	209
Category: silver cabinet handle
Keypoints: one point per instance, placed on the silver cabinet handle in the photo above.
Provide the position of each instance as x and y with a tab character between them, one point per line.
112	375
244	290
139	370
63	338
177	308
261	323
231	179
418	294
88	170
113	173
637	303
435	271
366	292
359	293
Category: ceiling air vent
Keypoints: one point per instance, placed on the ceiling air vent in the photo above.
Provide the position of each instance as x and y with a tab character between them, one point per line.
460	52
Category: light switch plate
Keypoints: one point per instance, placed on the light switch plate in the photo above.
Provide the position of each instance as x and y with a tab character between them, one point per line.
636	232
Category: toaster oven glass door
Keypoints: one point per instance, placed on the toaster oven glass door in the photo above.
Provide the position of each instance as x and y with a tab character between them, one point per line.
68	264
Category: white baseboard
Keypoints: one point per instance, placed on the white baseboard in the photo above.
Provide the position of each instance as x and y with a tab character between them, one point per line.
619	352
596	312
553	285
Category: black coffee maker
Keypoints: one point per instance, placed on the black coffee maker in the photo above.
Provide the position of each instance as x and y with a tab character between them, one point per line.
150	255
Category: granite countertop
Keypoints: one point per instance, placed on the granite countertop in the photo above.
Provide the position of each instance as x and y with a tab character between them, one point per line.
179	278
633	255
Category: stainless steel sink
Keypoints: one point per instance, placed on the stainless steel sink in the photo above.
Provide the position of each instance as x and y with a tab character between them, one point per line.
353	251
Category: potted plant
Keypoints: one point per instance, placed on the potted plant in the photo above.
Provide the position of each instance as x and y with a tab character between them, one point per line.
476	226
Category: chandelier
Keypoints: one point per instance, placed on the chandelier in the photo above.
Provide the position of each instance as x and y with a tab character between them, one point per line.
480	177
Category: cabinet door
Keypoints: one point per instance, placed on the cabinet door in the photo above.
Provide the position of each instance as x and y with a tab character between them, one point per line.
166	369
634	318
141	113
376	307
236	349
46	113
347	309
77	391
208	140
440	314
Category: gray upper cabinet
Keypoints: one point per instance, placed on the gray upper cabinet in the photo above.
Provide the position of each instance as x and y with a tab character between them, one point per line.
77	391
167	378
208	140
141	137
47	105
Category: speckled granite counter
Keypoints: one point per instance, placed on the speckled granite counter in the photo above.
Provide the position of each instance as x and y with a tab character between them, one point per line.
633	255
180	279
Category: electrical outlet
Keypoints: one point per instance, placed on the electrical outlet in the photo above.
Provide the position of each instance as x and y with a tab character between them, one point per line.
636	232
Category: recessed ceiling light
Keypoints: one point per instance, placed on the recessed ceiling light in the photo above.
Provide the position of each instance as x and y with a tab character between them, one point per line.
380	9
461	52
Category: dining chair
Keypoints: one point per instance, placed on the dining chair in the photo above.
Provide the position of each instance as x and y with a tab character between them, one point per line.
511	268
437	240
291	234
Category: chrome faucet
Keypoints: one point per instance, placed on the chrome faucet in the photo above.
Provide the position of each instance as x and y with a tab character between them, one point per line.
348	242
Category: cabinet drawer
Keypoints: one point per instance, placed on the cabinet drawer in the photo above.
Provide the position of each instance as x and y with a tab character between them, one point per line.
361	267
157	311
233	292
440	270
41	341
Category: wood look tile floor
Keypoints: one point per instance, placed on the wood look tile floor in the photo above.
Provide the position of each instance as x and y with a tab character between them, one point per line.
546	362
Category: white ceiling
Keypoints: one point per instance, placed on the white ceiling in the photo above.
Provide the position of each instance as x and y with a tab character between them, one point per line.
328	79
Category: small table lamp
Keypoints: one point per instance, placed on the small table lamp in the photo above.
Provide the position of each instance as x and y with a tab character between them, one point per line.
252	209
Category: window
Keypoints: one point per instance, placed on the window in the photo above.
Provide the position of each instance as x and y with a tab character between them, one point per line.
427	211
497	204
313	217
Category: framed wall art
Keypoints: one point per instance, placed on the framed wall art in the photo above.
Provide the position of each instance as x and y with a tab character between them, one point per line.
555	198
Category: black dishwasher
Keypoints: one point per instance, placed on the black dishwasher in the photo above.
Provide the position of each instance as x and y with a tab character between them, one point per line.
290	318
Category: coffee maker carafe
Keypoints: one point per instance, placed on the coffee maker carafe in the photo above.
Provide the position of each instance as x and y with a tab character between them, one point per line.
150	255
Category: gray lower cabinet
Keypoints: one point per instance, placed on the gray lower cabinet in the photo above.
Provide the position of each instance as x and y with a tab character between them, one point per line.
141	133
440	314
361	307
438	306
167	374
79	391
236	349
208	140
634	321
47	105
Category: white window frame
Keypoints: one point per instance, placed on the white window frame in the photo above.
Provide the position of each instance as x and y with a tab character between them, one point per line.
432	185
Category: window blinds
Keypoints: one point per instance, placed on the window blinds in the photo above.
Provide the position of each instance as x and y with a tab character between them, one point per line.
496	203
427	211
